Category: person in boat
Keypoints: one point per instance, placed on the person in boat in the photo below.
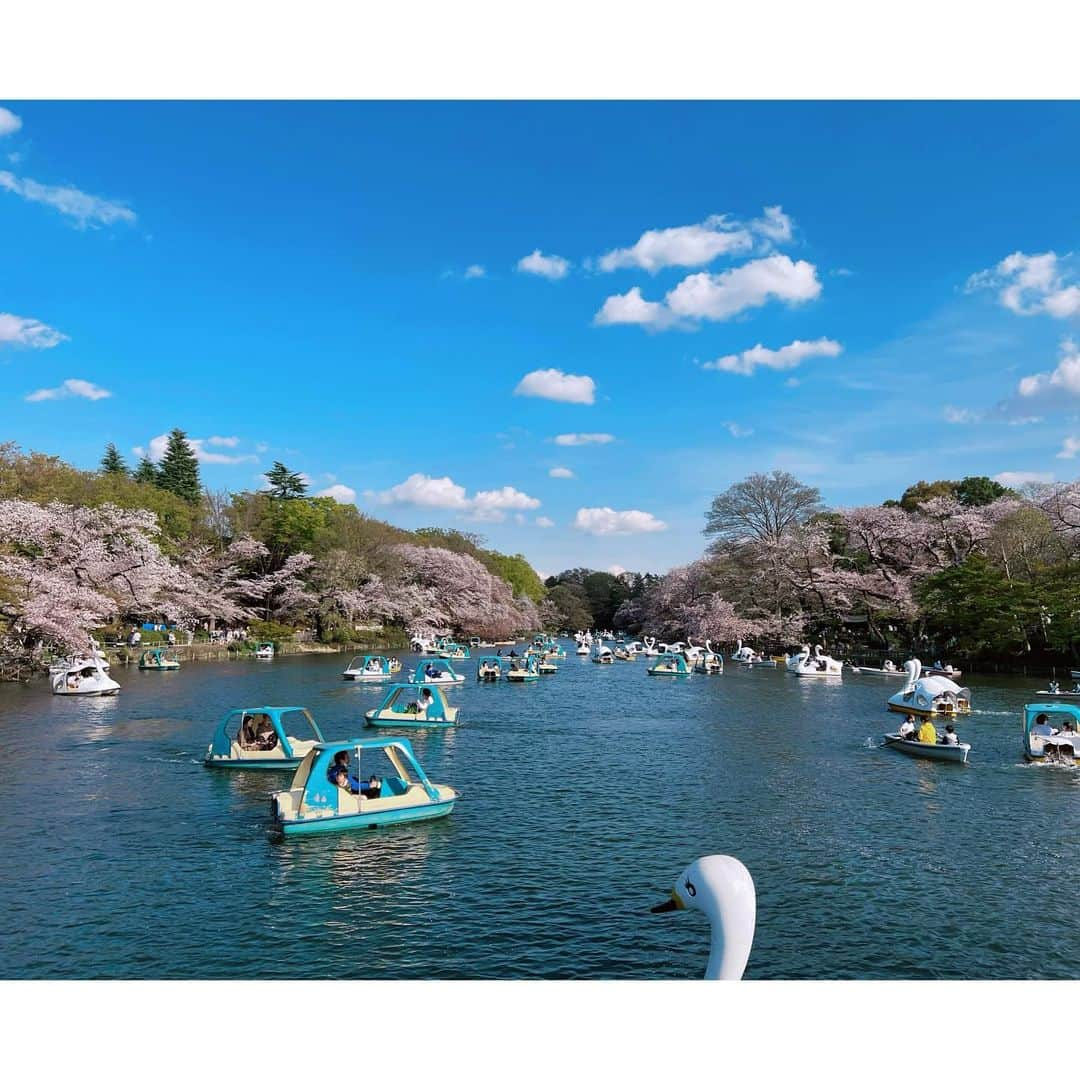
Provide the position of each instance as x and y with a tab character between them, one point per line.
247	734
366	789
1042	727
265	736
949	738
421	704
512	652
907	728
1054	688
888	666
1068	729
927	732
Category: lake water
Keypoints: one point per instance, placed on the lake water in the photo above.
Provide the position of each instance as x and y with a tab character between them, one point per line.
582	797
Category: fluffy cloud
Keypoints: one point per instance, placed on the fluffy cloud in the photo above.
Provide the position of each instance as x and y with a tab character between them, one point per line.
421	490
544	522
71	388
782	359
1031	285
1069	447
88	211
736	431
583	439
953	415
338	492
717	297
492	505
1066	376
555	385
155	450
631	307
603	521
474	271
552	267
9	122
698	245
560	473
16	330
441	493
1018	479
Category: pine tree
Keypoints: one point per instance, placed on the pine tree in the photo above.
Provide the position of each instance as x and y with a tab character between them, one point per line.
146	473
179	468
284	484
112	462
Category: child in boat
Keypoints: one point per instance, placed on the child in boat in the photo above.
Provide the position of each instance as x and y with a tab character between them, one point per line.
907	728
949	738
928	733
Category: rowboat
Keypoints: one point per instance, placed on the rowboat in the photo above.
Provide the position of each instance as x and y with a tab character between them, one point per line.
936	751
889	672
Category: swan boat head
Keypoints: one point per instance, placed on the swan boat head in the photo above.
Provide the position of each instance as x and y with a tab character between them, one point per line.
722	888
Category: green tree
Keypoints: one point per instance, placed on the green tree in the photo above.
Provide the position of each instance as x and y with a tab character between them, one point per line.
179	469
920	492
571	607
980	491
146	473
112	462
285	484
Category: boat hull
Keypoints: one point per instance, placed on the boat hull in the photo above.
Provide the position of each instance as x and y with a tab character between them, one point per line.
913	710
879	671
292	763
932	751
375	718
369	819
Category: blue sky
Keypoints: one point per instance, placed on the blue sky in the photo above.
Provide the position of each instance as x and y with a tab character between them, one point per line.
864	294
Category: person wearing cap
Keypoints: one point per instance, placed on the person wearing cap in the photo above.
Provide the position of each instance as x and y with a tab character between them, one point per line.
928	733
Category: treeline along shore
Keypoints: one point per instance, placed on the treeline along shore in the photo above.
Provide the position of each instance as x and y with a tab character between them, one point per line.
967	569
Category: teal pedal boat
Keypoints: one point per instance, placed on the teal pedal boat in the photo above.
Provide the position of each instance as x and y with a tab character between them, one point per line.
670	664
327	794
436	673
412	706
267	737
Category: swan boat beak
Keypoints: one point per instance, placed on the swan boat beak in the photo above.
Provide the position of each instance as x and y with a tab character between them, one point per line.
673	904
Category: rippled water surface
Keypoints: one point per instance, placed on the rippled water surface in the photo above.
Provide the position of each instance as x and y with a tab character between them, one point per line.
582	797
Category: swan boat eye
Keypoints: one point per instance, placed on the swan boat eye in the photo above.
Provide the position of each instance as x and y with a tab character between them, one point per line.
690	887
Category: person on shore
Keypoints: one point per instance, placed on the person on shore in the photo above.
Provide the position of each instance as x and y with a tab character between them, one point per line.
907	728
949	738
1042	727
172	638
927	732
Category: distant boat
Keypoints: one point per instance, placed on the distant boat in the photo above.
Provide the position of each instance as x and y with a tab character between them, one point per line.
929	695
84	678
888	669
814	665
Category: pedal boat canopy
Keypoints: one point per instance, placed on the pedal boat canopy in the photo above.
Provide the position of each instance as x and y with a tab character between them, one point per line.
268	737
436	672
394	788
670	663
369	667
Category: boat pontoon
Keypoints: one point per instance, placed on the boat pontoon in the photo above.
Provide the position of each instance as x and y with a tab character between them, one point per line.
267	737
328	794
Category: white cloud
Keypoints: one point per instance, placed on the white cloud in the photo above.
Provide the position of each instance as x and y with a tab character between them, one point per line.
71	388
338	492
1018	479
9	122
782	359
544	522
441	493
155	451
1031	285
89	211
632	308
552	267
561	473
736	431
1069	447
555	385
16	330
491	505
223	440
474	271
1020	421
616	569
698	245
421	490
716	297
603	521
793	382
954	415
1066	376
583	439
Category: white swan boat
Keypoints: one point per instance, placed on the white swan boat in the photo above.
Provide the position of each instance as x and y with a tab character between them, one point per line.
957	752
59	667
929	695
601	654
84	678
815	664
